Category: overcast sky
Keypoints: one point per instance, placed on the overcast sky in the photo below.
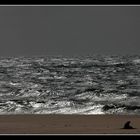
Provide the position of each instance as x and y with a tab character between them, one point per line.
69	30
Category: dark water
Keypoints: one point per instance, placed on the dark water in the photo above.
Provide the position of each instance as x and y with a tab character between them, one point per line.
58	85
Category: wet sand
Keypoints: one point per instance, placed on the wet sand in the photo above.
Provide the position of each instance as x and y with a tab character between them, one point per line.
68	124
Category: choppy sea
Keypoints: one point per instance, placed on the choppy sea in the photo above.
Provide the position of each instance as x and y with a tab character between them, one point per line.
63	85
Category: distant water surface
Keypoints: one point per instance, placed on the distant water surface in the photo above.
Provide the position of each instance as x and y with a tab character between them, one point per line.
78	85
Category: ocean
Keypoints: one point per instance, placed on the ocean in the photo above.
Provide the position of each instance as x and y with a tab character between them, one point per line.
99	84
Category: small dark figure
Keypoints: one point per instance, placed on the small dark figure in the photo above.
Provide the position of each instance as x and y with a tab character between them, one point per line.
127	125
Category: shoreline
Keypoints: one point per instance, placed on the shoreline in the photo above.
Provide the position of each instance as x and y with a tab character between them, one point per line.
67	124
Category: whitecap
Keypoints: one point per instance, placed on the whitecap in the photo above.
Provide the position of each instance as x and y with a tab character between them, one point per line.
137	61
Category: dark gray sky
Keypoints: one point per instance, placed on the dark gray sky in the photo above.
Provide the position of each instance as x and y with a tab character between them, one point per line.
69	30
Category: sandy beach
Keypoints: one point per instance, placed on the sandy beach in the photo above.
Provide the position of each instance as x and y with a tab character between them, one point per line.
68	124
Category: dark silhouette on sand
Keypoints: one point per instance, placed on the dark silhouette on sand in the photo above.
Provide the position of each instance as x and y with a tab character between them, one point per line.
127	125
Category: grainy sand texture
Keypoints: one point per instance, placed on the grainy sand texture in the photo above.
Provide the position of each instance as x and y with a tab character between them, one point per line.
68	124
